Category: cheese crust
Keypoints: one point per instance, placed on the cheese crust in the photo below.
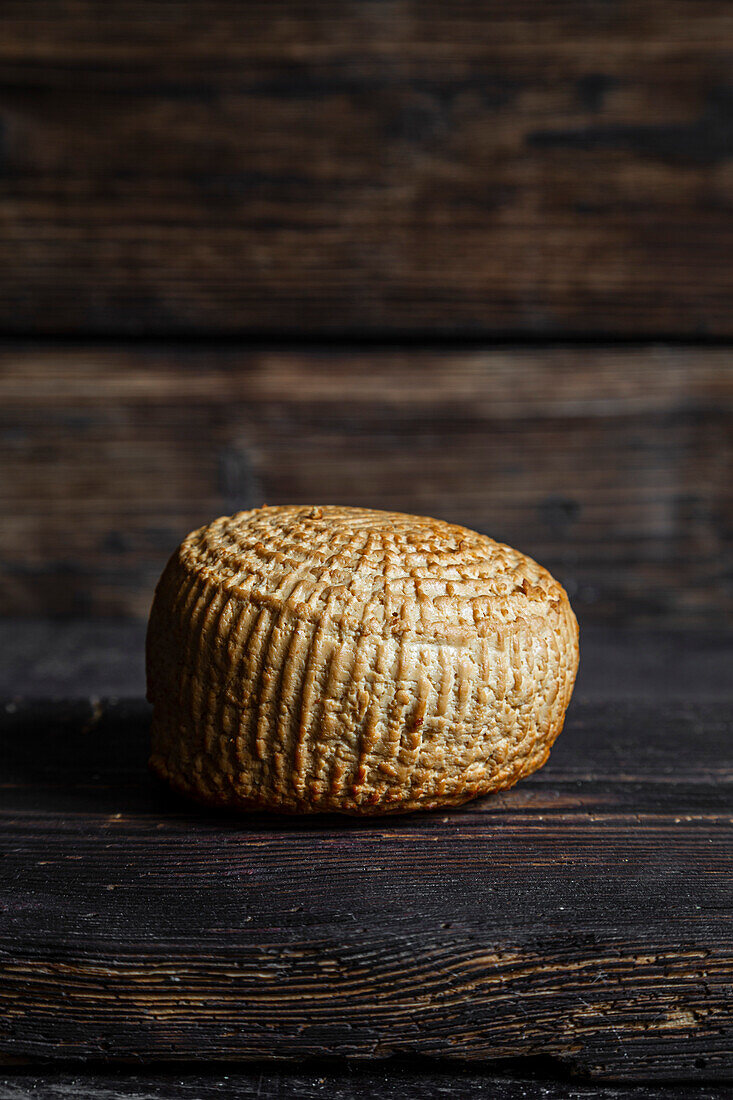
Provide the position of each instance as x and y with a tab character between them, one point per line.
327	659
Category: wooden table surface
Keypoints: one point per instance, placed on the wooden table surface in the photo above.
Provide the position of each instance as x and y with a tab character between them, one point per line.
390	1081
582	919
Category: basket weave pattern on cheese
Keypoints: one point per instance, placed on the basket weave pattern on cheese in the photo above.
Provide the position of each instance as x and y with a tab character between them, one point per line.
319	659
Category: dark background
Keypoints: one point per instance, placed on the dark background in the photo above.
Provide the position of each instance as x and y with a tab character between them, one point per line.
469	259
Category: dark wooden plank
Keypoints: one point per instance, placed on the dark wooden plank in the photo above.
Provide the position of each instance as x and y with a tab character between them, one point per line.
585	916
612	467
391	1082
349	166
77	657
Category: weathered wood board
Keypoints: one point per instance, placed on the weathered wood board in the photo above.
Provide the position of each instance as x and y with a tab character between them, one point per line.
584	916
344	166
392	1080
612	466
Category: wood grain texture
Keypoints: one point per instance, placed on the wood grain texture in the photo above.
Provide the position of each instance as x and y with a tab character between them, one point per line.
360	166
612	467
388	1082
585	915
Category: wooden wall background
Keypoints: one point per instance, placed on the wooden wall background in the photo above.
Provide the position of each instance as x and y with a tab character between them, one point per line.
472	259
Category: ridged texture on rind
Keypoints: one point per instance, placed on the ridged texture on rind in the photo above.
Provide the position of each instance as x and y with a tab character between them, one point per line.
340	659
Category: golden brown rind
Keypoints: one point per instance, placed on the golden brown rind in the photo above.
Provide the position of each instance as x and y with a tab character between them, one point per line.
306	660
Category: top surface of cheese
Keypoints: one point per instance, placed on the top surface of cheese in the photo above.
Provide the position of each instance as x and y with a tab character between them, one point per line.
383	572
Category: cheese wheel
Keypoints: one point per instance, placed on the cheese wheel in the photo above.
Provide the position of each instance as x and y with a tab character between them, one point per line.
321	659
